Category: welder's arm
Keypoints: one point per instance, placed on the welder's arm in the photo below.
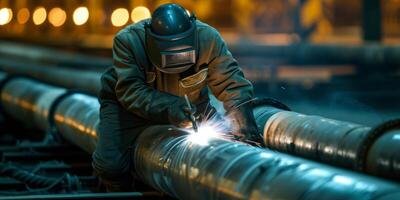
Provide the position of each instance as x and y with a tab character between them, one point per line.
137	97
228	84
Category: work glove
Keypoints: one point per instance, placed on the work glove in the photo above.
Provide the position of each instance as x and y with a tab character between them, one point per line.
179	114
243	124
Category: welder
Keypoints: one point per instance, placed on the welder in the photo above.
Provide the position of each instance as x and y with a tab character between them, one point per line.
156	62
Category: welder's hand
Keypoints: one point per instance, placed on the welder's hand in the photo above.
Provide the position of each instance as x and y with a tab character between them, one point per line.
244	127
179	114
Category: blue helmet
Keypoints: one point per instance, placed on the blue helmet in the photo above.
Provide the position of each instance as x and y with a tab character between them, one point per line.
171	39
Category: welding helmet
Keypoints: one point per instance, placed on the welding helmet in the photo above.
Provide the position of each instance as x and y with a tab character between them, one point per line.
171	39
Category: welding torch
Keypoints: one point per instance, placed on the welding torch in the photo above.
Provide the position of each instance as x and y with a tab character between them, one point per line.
191	113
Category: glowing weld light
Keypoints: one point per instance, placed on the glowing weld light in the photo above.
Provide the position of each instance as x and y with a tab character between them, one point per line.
205	133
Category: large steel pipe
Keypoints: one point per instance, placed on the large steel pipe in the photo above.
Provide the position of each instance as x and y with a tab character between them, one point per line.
333	142
30	53
383	157
373	54
76	118
88	81
329	141
170	161
29	101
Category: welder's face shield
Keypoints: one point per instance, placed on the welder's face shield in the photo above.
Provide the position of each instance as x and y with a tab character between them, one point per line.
172	53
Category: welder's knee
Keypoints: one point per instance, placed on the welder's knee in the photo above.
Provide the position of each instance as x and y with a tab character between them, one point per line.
111	163
113	168
114	171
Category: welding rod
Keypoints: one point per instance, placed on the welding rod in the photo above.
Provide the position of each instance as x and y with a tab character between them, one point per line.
191	115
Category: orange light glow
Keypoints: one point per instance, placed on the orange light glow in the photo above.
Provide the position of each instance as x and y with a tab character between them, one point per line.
57	17
23	16
39	15
119	17
140	13
81	16
6	15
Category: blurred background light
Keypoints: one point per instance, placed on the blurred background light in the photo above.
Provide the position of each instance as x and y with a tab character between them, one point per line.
139	13
57	17
39	15
5	16
23	15
81	16
119	17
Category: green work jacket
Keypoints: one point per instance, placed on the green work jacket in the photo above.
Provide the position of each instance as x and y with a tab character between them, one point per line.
143	90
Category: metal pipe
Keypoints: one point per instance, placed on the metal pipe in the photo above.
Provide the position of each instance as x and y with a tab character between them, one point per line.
29	101
30	53
76	118
45	107
333	142
168	160
337	143
367	55
84	80
383	156
370	54
375	55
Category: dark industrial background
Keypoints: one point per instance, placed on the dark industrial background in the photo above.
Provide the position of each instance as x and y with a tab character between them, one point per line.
338	59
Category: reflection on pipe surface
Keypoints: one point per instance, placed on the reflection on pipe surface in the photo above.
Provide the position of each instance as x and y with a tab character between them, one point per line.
29	101
166	160
329	141
315	137
76	119
384	156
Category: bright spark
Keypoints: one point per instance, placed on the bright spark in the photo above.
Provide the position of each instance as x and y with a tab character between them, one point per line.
206	132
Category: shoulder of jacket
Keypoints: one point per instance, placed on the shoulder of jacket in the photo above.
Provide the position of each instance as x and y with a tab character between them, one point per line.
131	30
206	31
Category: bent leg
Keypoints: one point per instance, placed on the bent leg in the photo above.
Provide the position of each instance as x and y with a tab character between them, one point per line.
117	131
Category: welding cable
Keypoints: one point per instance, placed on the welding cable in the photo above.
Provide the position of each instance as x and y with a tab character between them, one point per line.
40	183
270	102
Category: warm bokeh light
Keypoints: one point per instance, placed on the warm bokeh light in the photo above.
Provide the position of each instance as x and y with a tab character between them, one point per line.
120	17
81	16
39	15
139	13
57	17
5	16
23	15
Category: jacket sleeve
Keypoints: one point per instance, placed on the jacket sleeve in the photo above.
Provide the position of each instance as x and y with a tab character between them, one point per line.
131	89
225	78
